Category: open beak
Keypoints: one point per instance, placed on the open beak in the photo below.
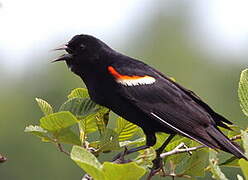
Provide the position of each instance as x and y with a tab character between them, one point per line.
64	57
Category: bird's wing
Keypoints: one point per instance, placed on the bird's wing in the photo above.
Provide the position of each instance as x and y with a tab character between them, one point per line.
163	100
219	119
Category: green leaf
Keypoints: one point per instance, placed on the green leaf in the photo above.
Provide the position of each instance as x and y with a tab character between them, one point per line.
78	93
146	157
235	131
68	136
88	124
125	129
215	169
243	91
161	137
102	120
197	162
57	121
231	162
128	171
244	166
244	137
44	106
179	159
109	141
88	162
38	131
80	107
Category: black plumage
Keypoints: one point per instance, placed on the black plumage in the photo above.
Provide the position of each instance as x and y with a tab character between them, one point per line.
144	96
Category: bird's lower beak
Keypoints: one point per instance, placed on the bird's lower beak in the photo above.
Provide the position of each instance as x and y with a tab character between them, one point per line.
64	57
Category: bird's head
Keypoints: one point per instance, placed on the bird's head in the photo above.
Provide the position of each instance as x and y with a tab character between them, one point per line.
81	50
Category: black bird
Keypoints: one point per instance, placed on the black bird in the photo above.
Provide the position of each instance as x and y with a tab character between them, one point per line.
145	96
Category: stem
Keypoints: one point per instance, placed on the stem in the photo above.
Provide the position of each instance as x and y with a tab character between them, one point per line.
178	150
62	149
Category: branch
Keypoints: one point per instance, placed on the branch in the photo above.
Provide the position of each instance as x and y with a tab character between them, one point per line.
178	150
62	149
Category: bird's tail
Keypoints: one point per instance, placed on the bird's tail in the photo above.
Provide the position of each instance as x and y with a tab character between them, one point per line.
224	143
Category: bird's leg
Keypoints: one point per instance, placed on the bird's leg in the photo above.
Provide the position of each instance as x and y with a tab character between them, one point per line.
120	156
157	162
150	141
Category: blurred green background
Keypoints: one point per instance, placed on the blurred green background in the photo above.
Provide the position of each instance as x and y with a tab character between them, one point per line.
200	44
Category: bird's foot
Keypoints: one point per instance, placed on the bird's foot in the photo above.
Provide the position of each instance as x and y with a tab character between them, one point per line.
119	158
157	167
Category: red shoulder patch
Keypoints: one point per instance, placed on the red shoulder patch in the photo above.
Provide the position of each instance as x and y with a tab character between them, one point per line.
130	80
117	75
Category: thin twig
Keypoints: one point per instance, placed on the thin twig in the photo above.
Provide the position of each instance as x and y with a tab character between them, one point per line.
235	137
62	149
178	150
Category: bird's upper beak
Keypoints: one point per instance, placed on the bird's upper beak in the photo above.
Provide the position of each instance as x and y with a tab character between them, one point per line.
64	57
62	47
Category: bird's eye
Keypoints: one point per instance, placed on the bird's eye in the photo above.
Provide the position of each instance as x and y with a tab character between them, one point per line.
82	46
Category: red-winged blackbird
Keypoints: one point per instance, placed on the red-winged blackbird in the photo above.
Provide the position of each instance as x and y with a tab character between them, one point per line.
145	96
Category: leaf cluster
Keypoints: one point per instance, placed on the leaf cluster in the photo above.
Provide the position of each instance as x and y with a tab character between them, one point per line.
85	127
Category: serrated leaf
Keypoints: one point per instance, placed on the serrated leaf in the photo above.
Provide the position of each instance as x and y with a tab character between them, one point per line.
45	107
78	93
102	120
88	124
243	91
197	162
67	136
215	169
80	107
244	167
38	131
58	121
109	141
88	162
128	171
125	129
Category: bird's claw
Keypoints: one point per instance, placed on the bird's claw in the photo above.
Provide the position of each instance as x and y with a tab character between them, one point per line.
119	158
157	167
